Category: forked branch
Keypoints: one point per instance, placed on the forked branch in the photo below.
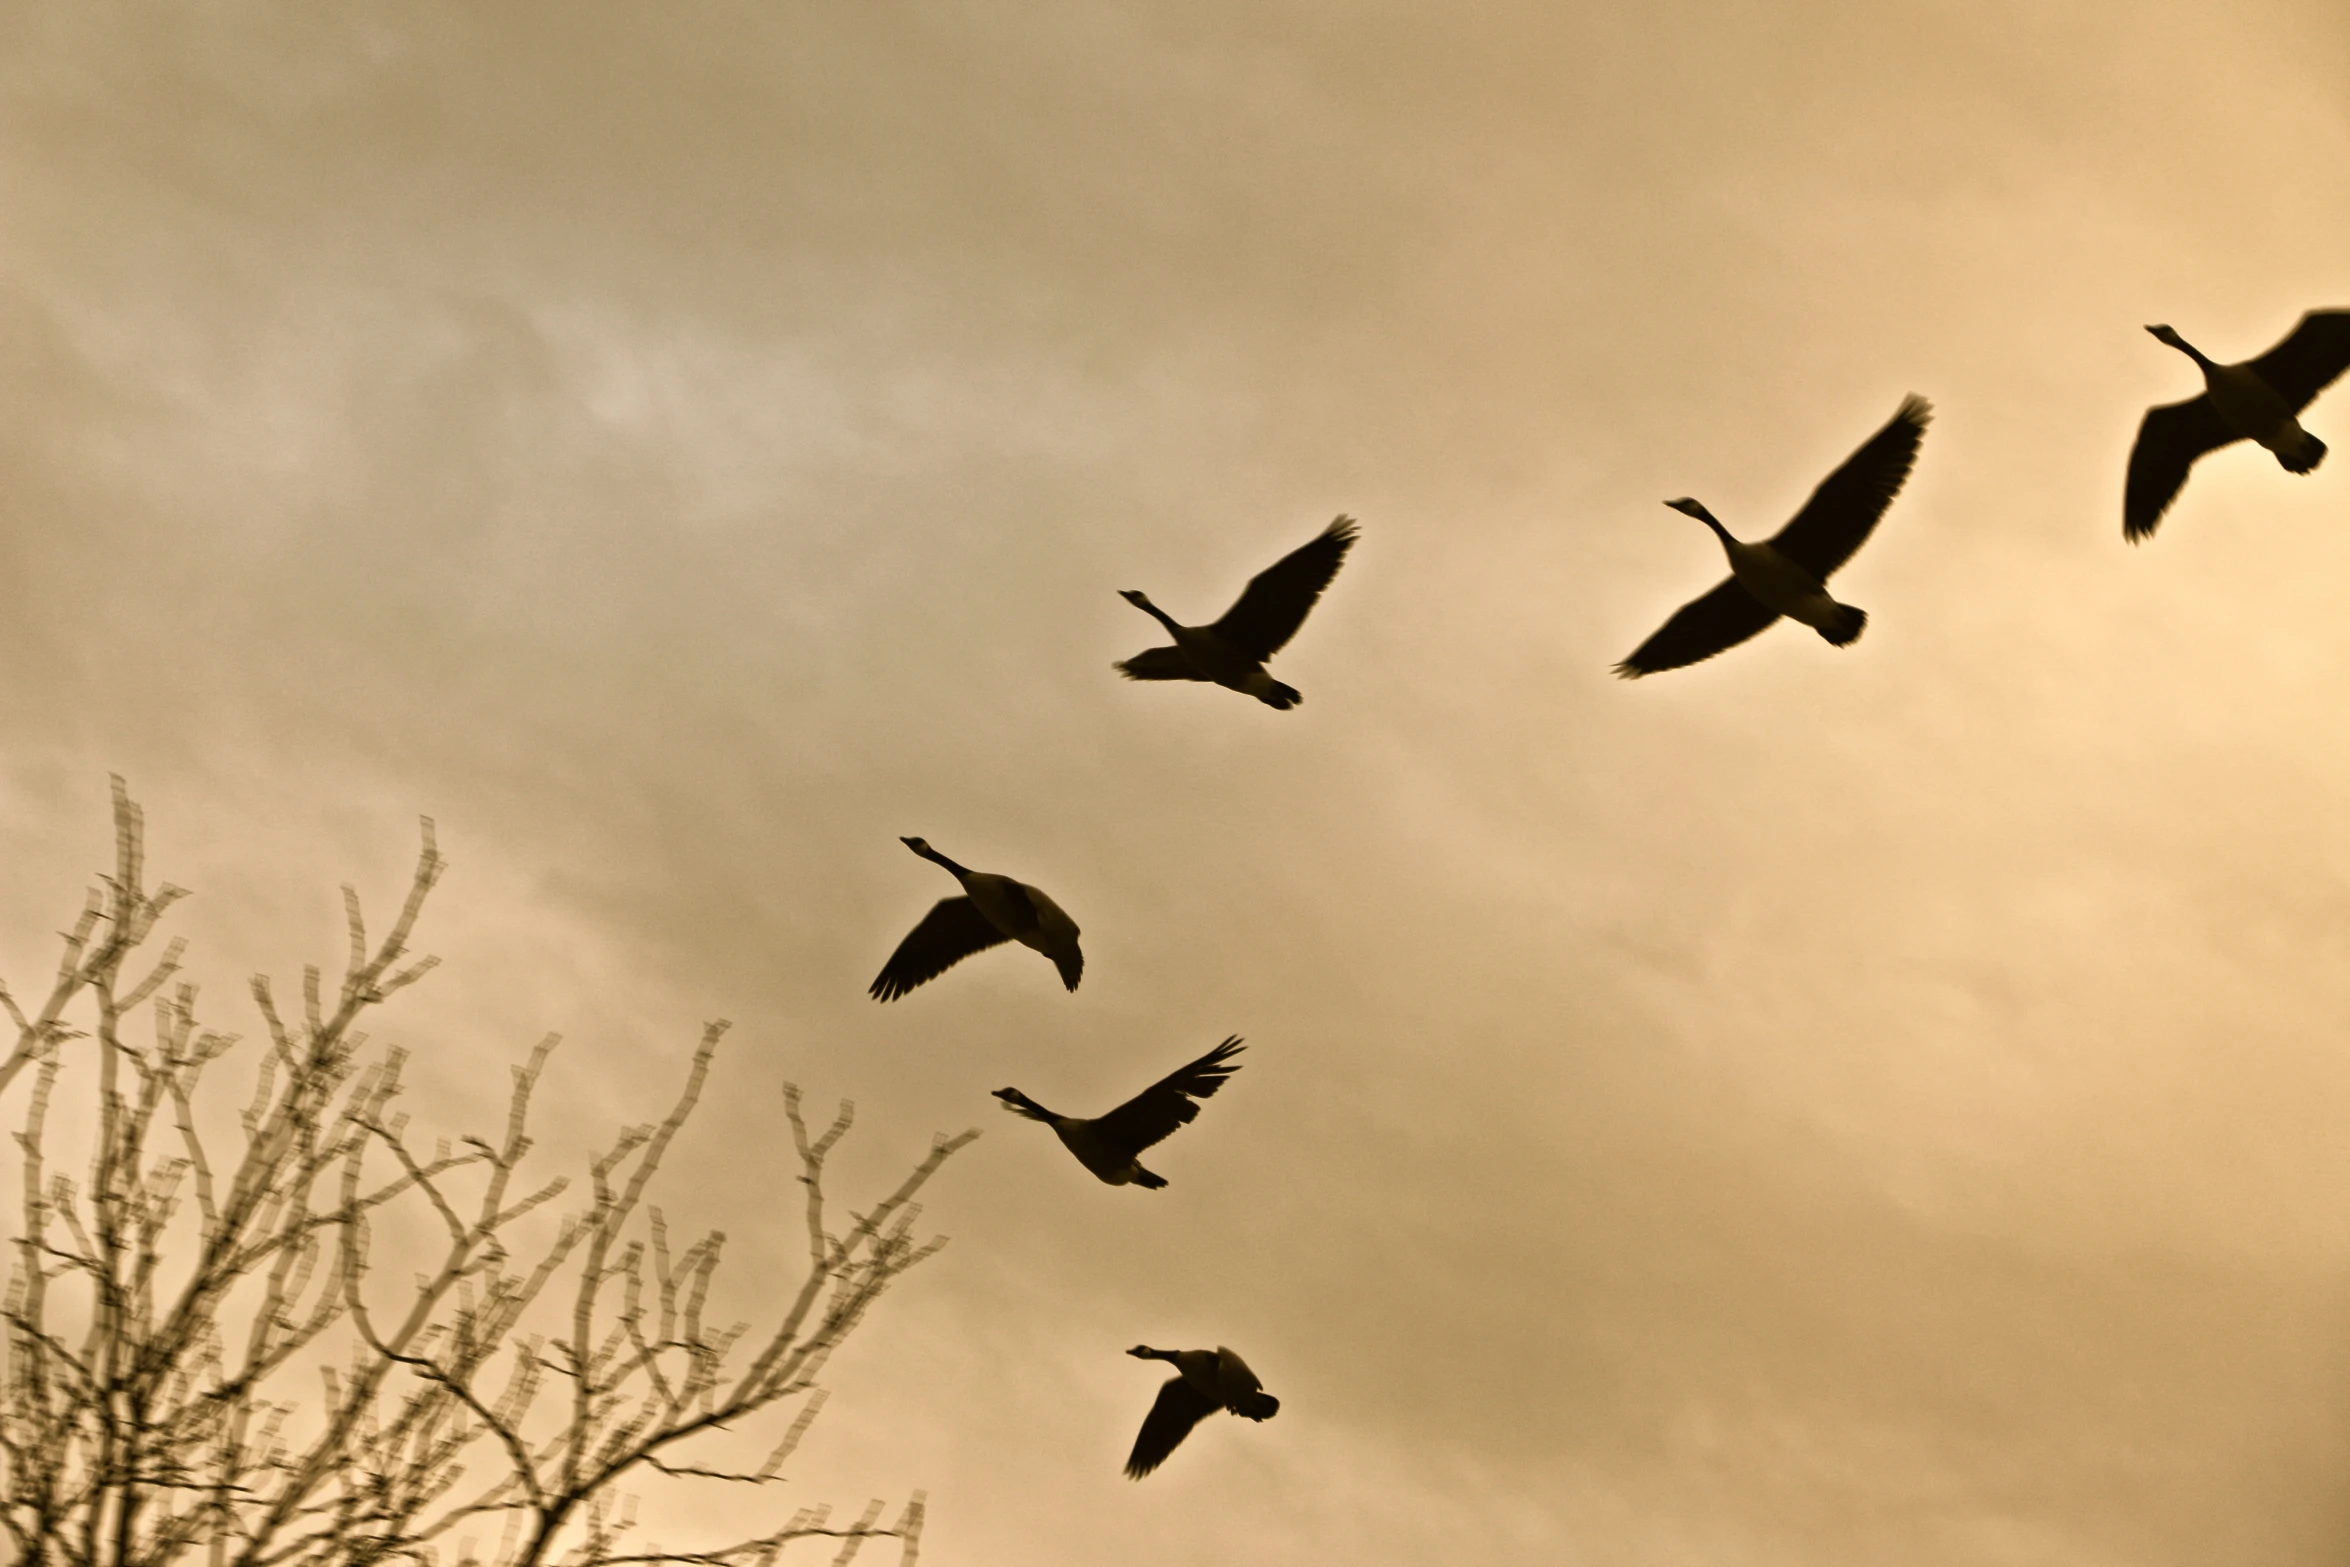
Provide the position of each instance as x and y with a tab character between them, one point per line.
233	1379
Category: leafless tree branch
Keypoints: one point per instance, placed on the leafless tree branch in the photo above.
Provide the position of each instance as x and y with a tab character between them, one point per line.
163	1316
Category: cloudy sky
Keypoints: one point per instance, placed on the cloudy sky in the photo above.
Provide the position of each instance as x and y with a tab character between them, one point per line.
1823	1107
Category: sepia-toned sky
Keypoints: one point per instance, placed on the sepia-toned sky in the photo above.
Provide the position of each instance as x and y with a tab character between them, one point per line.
1823	1107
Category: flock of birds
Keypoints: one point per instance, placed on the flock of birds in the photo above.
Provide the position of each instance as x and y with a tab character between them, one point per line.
2258	400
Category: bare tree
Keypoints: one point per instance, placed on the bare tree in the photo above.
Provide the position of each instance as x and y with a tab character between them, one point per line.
161	1318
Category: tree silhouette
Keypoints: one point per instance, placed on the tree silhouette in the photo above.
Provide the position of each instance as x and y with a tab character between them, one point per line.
202	1364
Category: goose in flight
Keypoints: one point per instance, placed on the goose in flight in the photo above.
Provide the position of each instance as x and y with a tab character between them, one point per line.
2254	401
1787	574
1205	1382
1232	652
1111	1145
993	909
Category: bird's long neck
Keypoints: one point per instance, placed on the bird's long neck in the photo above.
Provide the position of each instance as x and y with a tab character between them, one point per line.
1020	1102
1713	522
936	858
1155	613
1145	1352
2192	352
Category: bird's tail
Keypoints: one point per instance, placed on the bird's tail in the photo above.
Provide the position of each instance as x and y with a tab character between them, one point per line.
2312	452
1147	1180
1281	698
1259	1405
1845	629
1020	1104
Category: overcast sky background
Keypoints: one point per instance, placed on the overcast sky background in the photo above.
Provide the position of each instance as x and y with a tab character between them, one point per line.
1822	1107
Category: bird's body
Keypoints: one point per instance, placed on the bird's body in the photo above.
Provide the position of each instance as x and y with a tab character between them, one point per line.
1110	1145
1788	589
2251	407
2259	401
1232	651
1096	1151
992	909
1205	1381
1218	661
1787	574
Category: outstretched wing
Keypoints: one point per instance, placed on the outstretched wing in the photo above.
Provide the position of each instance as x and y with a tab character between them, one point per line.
1154	1114
1274	603
1844	510
952	930
2170	438
2312	354
1158	663
1699	629
1179	1407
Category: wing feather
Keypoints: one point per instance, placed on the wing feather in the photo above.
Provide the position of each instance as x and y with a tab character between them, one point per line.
2170	439
1274	604
2311	356
1158	663
1178	1408
1699	629
1844	510
1154	1114
952	930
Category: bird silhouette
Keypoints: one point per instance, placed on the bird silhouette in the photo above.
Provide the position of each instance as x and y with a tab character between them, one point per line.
1110	1145
992	910
2258	400
1788	573
1205	1381
1232	652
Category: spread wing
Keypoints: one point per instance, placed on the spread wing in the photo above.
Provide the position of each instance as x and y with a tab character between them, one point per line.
1154	1114
952	930
1274	603
2312	354
1844	510
1699	629
2170	438
1179	1407
1158	663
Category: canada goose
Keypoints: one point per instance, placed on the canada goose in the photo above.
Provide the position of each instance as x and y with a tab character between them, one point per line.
1787	575
1206	1382
992	909
2254	401
1110	1145
1232	652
